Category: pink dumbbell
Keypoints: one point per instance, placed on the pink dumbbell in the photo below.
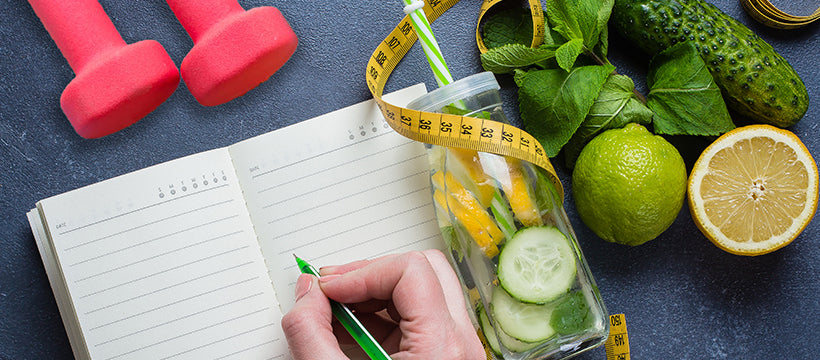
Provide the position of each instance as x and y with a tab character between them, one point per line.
234	50
115	84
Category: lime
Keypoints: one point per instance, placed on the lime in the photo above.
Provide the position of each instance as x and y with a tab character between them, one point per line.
629	185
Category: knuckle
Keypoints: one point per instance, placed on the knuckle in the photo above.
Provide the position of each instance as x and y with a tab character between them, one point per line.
416	260
295	323
435	255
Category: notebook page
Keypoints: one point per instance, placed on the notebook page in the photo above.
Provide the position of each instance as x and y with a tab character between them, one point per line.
337	188
163	263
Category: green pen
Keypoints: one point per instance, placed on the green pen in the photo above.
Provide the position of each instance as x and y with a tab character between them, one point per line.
349	321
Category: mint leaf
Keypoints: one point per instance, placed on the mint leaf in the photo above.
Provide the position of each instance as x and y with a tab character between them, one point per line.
602	48
511	26
514	26
615	107
604	10
505	59
571	314
683	94
451	239
580	19
553	102
567	53
565	17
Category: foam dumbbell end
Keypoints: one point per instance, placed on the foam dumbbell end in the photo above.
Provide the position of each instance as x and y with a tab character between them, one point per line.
234	50
116	84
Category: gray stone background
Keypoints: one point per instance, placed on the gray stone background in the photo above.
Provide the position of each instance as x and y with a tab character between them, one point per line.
683	297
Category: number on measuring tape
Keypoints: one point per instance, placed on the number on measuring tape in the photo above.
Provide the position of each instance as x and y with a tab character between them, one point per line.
446	127
617	345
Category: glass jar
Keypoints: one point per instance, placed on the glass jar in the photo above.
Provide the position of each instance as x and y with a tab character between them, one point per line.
510	241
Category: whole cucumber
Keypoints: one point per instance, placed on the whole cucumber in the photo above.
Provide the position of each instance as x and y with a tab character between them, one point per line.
755	80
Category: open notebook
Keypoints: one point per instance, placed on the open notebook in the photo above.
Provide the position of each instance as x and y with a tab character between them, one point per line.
193	258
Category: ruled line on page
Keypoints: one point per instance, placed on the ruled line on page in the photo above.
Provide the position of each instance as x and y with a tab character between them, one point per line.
337	183
142	208
208	292
251	348
328	152
180	266
224	339
331	167
195	331
165	218
352	245
327	168
435	236
198	226
351	228
167	252
384	236
373	256
203	311
347	196
184	282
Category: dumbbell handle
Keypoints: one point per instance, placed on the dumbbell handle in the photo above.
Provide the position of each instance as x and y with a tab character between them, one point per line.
200	15
80	28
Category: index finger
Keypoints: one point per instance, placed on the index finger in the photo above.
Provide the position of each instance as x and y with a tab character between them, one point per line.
408	280
451	288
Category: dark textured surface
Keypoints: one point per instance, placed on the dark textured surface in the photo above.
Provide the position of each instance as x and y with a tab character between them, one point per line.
683	297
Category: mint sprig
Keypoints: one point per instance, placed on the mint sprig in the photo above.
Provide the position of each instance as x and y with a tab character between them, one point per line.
564	110
553	102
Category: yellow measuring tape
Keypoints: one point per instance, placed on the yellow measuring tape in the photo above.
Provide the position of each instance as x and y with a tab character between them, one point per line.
617	345
445	129
766	13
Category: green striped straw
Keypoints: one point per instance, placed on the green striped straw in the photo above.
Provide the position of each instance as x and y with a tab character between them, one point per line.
415	9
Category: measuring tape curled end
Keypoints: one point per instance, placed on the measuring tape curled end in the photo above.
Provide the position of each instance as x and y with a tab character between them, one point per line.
768	14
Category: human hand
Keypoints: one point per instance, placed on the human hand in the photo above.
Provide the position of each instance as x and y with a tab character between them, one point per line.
426	316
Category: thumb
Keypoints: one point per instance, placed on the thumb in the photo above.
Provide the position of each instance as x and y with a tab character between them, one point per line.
307	325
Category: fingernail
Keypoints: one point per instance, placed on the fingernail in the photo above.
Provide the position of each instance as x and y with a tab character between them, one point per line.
303	285
328	278
327	270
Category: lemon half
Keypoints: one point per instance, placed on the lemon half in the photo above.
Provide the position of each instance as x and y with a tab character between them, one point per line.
753	190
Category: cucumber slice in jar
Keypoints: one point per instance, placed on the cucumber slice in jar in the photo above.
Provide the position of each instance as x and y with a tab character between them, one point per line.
487	330
537	265
502	215
513	344
526	322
